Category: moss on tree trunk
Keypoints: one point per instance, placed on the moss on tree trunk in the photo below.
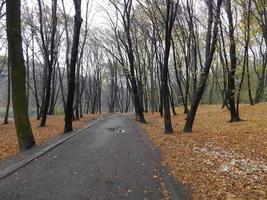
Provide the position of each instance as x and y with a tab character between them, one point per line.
18	72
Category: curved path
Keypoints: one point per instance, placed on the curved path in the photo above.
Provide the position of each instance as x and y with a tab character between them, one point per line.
111	160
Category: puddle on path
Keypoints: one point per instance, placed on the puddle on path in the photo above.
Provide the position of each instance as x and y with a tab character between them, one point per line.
116	129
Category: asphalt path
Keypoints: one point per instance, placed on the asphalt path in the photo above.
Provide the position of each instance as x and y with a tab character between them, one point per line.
111	160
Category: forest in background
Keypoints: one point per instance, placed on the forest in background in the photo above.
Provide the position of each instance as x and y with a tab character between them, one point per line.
150	56
166	61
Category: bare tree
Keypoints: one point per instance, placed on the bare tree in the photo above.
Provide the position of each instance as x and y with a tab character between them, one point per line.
126	21
261	17
171	12
211	39
233	63
49	56
73	61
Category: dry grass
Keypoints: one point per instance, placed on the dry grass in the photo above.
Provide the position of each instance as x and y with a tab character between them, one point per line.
54	127
219	160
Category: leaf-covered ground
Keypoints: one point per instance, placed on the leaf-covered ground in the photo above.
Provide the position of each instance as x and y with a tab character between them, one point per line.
54	127
219	160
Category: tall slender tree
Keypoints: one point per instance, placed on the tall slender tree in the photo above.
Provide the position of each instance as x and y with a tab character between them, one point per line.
233	63
261	16
211	40
18	73
8	95
73	61
126	17
171	12
49	55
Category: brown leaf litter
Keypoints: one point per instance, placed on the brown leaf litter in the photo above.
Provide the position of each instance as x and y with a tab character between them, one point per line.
218	160
53	128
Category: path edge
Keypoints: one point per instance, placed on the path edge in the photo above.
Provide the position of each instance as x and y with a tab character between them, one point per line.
177	190
14	167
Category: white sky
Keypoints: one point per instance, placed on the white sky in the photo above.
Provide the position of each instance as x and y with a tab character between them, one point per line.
97	14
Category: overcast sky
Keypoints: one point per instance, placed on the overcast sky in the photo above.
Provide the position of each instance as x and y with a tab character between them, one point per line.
97	14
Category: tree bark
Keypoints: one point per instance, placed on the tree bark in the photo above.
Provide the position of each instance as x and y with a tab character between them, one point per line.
126	18
73	61
170	18
8	95
231	74
210	48
49	55
18	73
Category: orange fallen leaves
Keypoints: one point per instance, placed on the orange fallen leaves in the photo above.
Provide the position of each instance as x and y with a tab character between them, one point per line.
219	160
54	127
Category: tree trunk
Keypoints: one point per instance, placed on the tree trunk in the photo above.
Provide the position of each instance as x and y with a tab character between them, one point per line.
126	18
231	75
73	61
18	73
178	78
8	95
49	58
35	90
246	57
171	14
260	7
210	48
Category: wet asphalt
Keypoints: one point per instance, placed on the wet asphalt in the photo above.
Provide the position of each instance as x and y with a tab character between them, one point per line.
112	160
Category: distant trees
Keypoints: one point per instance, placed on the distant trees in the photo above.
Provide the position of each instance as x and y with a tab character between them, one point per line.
126	16
189	79
18	73
151	55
